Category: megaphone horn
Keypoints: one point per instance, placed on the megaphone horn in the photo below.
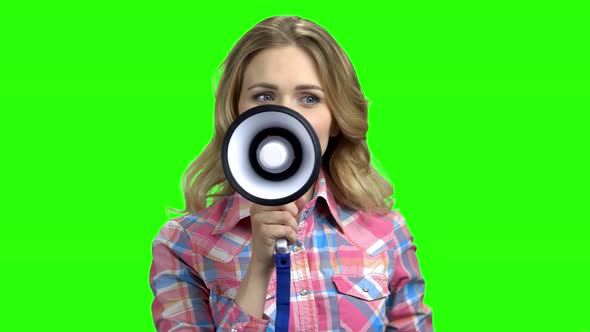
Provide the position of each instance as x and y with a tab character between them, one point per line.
271	155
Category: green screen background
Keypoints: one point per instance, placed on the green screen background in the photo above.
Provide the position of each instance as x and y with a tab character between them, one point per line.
478	116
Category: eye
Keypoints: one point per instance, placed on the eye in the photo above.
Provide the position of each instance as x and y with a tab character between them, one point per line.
311	100
263	97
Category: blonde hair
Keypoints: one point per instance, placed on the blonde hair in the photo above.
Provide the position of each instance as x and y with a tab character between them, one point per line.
354	182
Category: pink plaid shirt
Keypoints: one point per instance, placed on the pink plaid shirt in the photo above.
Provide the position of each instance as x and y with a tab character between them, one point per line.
350	271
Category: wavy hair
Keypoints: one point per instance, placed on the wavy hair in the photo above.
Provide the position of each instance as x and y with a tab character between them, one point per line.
354	182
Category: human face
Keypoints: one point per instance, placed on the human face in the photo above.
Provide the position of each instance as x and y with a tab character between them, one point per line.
288	76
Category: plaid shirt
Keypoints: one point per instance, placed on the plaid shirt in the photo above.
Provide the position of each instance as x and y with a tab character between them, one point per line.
350	271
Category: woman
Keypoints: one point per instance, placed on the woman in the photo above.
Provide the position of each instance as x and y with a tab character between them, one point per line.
353	261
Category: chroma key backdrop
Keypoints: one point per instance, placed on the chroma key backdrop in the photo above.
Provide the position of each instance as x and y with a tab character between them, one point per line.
478	116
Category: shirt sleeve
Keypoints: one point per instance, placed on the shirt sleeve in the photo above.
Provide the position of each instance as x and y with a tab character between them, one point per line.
181	298
408	313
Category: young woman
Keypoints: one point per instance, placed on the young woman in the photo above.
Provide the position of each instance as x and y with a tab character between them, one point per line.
353	262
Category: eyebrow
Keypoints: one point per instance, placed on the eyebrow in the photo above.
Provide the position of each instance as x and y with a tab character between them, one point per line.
274	87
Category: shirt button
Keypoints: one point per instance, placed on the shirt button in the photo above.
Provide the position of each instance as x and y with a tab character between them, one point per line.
296	249
303	292
234	330
365	289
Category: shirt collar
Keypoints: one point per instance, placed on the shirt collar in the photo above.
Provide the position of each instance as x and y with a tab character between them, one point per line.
238	208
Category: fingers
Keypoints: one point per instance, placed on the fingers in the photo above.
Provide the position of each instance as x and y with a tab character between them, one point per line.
284	232
276	222
269	224
283	218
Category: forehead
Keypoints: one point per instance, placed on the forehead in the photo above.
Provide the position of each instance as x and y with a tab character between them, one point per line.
286	65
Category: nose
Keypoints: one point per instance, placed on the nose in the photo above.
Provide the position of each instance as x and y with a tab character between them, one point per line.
292	105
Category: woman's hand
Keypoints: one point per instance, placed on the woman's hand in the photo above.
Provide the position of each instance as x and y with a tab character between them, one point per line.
270	223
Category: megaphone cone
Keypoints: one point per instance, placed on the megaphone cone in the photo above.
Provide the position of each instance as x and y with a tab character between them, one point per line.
271	155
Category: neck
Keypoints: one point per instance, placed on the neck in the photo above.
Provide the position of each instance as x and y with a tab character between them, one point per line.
309	195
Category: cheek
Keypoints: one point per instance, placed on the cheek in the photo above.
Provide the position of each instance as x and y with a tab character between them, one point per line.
321	125
242	106
245	103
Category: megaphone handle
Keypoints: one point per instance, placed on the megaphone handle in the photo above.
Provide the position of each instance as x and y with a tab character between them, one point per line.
283	292
282	246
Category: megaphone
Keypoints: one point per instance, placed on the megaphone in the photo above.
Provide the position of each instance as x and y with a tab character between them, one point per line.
271	155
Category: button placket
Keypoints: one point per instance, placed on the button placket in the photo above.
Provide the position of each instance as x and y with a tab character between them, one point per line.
301	274
300	262
304	215
298	245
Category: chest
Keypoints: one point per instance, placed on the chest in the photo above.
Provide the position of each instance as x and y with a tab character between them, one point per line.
335	284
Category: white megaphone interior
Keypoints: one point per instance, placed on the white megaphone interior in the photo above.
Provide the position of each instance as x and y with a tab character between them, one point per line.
239	162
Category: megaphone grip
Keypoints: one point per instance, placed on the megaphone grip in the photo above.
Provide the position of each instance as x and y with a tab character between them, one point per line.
282	246
283	270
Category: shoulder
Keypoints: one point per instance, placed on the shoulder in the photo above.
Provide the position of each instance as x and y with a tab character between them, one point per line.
194	228
401	238
216	232
205	221
381	221
379	231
